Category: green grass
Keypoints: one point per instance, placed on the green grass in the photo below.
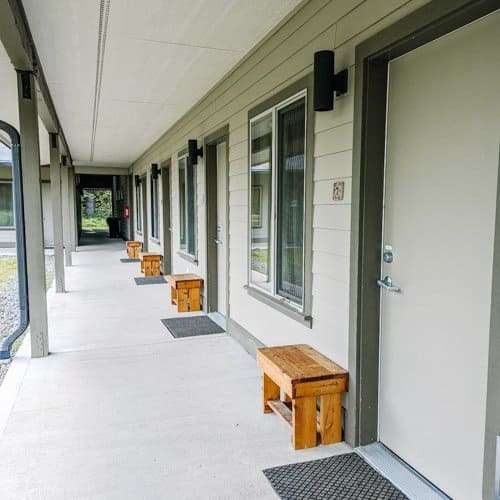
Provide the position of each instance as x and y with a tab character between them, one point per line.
8	266
94	223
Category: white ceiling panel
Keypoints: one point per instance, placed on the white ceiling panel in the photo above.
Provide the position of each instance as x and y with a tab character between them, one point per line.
160	57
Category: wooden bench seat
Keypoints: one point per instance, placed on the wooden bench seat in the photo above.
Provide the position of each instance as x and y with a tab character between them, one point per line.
133	249
303	375
185	291
150	263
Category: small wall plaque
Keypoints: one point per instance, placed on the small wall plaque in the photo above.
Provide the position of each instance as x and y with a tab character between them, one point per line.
338	190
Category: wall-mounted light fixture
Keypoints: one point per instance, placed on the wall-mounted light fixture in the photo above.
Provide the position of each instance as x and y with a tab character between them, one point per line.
194	151
64	160
155	171
327	83
137	181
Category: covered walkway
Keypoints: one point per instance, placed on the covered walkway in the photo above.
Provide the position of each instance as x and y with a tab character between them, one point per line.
121	410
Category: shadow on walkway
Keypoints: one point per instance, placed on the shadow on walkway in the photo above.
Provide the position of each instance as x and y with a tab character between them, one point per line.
96	237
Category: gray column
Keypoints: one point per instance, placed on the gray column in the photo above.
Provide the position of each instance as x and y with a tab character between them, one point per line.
66	215
35	259
55	194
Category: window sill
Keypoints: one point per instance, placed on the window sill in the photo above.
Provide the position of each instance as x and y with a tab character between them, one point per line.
280	306
7	228
155	240
189	258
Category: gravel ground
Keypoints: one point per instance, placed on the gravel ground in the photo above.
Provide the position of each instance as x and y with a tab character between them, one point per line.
9	306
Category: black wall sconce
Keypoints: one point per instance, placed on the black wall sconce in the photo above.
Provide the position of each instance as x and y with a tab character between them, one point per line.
137	181
155	171
64	160
327	83
194	151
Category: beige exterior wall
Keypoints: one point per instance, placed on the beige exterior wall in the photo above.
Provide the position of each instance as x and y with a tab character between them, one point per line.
283	57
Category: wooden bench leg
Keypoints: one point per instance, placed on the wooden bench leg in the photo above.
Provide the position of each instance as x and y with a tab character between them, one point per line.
304	423
330	418
270	391
155	268
182	300
194	299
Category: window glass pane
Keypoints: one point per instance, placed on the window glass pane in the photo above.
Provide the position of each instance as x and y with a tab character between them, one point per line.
290	201
261	201
154	207
6	205
9	284
138	211
191	207
182	201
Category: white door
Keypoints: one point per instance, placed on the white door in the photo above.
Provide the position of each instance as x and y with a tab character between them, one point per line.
442	159
221	226
48	232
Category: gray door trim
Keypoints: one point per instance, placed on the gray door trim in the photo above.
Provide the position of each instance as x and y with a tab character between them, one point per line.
210	151
167	222
428	23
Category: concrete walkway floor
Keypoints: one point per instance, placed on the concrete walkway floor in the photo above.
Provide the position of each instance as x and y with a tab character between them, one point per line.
121	410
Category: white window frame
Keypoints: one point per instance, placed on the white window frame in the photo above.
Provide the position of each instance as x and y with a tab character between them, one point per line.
274	188
6	228
184	248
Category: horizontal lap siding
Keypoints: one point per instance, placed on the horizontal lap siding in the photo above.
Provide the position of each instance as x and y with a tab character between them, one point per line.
285	56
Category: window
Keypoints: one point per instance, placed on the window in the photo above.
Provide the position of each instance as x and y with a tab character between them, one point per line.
187	206
154	207
138	206
14	307
277	179
6	205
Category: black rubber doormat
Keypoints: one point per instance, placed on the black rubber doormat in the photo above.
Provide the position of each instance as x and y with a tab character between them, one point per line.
341	477
150	280
191	326
126	261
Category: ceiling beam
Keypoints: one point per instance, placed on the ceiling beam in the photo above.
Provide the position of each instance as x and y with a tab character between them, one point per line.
91	170
15	35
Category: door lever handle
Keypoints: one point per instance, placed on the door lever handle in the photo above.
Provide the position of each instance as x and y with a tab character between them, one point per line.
387	284
218	242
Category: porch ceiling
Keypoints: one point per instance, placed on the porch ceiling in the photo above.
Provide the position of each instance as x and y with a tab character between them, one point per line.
156	60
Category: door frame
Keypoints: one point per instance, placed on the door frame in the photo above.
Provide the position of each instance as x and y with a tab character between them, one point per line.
145	218
166	191
210	144
434	20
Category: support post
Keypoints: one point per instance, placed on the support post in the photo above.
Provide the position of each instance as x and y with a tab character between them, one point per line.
66	216
55	194
35	258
